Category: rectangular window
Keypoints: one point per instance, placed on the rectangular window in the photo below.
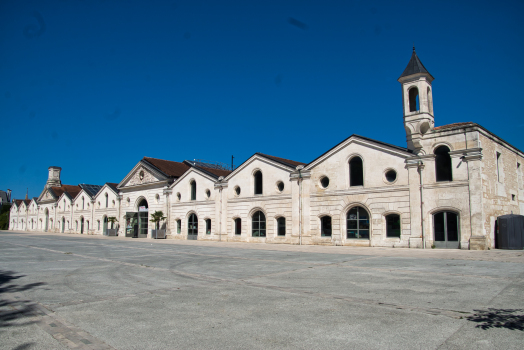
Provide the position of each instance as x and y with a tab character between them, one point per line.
178	226
208	226
498	167
238	226
281	222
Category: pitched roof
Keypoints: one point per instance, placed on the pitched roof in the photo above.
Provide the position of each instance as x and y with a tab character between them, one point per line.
112	185
70	190
213	172
18	202
284	161
170	168
454	125
91	190
414	66
27	201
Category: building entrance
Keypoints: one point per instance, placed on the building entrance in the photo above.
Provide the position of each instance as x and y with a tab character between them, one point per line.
137	222
192	227
446	229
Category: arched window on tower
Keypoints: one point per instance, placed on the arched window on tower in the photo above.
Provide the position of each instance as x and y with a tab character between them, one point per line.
258	182
356	172
413	100
443	168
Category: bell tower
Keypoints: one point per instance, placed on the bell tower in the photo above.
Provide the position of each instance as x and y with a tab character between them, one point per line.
417	100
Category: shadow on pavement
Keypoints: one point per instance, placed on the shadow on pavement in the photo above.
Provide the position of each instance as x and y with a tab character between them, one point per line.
498	318
12	310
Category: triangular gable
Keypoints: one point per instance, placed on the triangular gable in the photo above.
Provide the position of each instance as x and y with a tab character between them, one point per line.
195	169
47	195
143	173
380	146
261	157
80	194
111	188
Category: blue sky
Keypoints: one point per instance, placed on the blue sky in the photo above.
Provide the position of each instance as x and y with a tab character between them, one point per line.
94	86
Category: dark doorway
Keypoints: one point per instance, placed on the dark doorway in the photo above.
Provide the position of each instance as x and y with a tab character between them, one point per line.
446	230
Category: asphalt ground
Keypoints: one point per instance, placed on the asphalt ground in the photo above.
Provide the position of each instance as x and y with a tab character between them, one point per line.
62	291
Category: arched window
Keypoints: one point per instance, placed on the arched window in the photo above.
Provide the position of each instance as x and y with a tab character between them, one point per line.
193	190
208	226
325	226
443	168
446	229
238	226
107	200
258	182
259	225
83	203
413	100
356	172
192	227
393	226
64	205
81	225
179	226
357	223
281	226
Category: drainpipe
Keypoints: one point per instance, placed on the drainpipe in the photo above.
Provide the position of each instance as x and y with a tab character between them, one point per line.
299	168
220	217
420	168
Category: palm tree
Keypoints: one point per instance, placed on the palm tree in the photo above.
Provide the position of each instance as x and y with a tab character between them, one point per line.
112	220
156	217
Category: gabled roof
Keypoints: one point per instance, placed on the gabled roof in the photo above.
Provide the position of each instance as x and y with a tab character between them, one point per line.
112	186
70	190
415	66
167	167
355	136
284	161
91	190
216	173
290	164
18	202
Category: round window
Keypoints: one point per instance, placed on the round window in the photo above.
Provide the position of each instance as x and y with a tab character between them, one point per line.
208	193
280	186
237	190
324	182
391	175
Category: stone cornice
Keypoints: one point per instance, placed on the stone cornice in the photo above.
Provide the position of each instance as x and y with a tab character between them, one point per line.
304	174
362	191
259	198
447	184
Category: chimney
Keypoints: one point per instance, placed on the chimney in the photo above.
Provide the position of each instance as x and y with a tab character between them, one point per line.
9	195
54	177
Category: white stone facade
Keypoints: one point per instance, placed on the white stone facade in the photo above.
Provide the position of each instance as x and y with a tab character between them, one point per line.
445	189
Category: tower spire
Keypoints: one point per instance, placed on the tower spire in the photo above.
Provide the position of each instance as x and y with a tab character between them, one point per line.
27	193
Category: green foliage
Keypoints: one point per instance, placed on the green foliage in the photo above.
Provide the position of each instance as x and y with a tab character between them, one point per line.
157	216
4	216
4	220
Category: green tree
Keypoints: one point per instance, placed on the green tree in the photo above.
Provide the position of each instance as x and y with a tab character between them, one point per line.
112	220
4	216
156	217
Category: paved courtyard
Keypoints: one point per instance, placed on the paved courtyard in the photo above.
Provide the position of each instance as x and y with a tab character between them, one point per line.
61	291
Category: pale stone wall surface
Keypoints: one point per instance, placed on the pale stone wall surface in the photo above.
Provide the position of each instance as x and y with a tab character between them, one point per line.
272	202
499	183
203	206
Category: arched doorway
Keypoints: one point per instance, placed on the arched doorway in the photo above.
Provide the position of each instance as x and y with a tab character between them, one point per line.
446	230
143	212
192	227
46	219
104	228
63	224
82	225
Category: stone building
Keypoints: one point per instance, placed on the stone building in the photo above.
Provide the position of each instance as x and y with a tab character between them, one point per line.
445	190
